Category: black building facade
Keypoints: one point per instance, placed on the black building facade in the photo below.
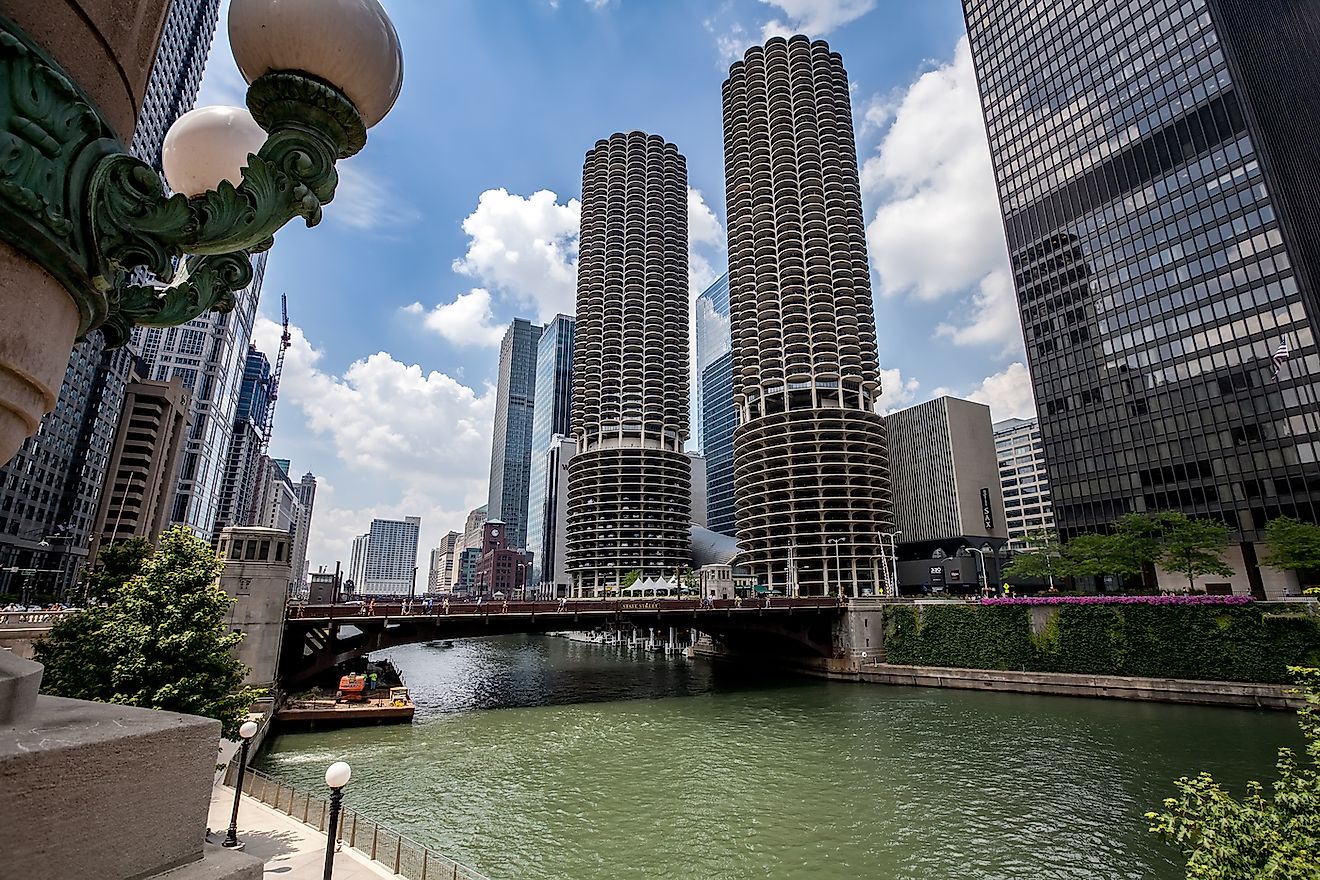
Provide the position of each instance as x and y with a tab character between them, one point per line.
1155	161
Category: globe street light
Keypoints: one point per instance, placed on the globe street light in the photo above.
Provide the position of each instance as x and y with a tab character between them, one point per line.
97	220
336	776
246	732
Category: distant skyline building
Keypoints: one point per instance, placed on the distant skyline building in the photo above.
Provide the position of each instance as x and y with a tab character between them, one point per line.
511	446
305	489
1155	164
440	579
551	420
549	552
810	464
717	418
245	443
630	481
946	476
139	489
357	560
391	557
501	570
472	528
1027	504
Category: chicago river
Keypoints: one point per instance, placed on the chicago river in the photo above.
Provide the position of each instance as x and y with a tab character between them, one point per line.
536	758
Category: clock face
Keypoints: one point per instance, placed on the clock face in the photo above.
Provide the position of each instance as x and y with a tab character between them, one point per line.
494	533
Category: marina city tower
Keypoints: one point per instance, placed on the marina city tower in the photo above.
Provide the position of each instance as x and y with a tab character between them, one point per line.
629	485
811	471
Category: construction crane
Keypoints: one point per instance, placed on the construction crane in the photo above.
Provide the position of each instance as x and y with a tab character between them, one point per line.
285	341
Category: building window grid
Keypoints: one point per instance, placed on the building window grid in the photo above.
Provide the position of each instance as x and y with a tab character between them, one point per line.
1216	358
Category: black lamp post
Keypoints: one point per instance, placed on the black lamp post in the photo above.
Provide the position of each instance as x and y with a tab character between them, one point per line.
246	732
336	777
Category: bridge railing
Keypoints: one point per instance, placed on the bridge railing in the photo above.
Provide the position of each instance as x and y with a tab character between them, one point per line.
28	619
420	608
401	854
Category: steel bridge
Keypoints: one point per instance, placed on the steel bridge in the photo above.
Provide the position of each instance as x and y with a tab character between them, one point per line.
317	638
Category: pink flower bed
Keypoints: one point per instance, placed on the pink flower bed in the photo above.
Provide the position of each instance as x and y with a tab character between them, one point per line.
1119	600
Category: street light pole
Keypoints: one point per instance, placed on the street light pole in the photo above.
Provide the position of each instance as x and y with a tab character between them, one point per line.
336	776
247	731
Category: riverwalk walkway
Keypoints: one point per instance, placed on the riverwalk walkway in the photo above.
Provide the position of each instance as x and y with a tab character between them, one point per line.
290	849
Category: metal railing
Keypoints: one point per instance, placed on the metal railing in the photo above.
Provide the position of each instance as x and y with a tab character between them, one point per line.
402	855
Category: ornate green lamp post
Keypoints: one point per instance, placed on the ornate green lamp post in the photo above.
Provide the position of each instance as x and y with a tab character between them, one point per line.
97	220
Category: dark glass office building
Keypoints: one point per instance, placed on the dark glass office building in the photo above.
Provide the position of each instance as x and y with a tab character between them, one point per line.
1155	161
716	417
553	393
511	449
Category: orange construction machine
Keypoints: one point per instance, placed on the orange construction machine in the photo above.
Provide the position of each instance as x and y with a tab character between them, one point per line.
352	689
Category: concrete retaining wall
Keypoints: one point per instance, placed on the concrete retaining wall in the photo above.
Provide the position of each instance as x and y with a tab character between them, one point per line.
1163	690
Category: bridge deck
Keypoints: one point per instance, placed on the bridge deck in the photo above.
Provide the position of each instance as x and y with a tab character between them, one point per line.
567	609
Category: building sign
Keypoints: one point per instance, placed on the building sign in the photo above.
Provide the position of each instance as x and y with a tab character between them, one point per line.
937	574
955	575
987	515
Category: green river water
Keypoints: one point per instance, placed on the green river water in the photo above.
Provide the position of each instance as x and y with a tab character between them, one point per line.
540	759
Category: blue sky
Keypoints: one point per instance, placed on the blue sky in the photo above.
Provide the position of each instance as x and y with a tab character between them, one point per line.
461	214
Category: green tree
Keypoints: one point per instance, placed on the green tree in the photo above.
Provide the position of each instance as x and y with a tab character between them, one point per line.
115	564
631	578
1193	547
160	643
1042	558
1271	838
1136	545
1293	545
1093	555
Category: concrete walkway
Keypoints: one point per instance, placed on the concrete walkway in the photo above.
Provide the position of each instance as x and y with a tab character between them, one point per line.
290	849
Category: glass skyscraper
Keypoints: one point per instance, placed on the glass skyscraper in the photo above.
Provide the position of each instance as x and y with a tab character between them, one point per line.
1155	165
511	447
552	416
716	417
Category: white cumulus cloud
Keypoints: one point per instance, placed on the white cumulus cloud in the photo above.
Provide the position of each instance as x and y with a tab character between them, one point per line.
706	241
525	248
938	229
896	392
991	317
1007	393
465	321
937	232
814	18
404	428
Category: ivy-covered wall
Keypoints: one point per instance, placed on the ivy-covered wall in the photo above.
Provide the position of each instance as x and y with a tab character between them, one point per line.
1253	643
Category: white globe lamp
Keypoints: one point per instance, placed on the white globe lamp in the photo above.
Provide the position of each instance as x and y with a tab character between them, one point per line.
338	774
350	44
208	145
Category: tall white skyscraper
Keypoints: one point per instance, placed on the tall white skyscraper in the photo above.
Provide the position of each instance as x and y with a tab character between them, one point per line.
391	558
